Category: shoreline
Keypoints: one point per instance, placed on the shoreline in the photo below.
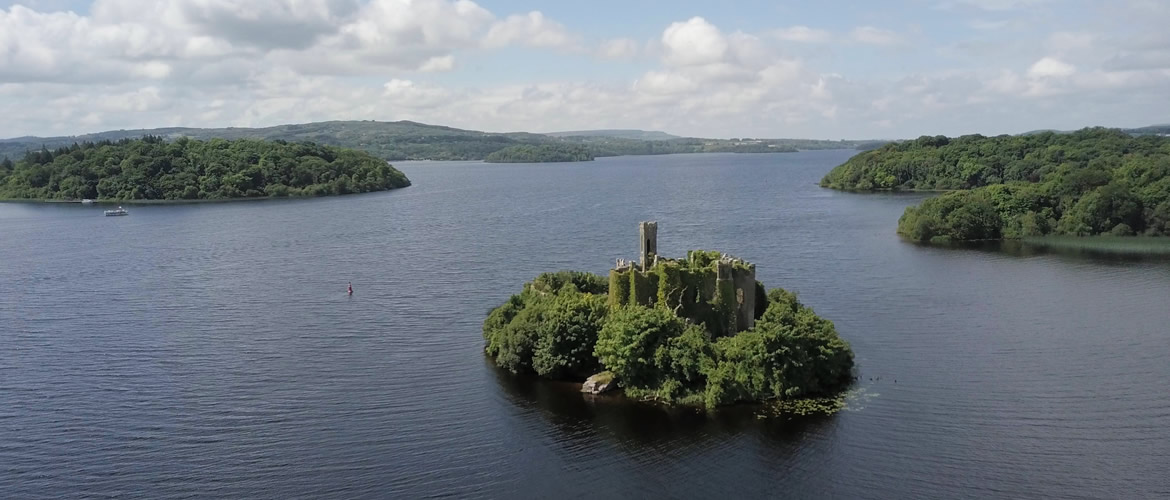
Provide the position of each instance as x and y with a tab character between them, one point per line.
183	202
1096	244
1130	245
600	157
892	190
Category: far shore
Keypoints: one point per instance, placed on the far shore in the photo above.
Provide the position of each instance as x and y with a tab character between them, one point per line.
1149	245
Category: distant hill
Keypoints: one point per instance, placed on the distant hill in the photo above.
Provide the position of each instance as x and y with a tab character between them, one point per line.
1147	130
1152	129
401	140
635	134
407	140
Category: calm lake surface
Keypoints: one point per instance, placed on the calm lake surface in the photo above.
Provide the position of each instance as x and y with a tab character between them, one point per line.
210	350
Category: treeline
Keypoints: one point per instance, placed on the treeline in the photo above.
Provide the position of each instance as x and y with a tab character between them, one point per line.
151	168
601	146
1093	181
562	326
731	147
539	154
941	163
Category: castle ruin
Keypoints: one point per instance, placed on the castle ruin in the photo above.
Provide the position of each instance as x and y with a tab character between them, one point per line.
706	287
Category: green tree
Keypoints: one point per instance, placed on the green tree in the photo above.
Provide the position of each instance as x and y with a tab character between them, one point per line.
150	168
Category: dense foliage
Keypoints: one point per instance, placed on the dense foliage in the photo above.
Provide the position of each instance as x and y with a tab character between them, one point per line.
539	154
153	169
1094	181
790	353
555	329
551	327
941	163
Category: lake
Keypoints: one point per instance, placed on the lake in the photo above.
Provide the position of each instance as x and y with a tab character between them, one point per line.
210	350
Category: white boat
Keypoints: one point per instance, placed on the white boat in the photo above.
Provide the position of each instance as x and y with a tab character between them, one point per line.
87	201
118	211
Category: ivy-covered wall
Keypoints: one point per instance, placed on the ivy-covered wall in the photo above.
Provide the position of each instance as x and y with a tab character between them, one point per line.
705	288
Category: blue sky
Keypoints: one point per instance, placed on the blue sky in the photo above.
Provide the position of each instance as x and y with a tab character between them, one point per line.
830	69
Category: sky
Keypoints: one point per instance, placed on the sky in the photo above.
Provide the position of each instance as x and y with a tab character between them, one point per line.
822	70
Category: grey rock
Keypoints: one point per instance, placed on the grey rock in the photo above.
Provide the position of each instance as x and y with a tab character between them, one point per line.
599	383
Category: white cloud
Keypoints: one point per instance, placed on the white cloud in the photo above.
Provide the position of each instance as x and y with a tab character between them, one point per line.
122	40
693	42
665	83
875	36
153	70
1051	68
395	34
146	63
802	34
438	63
532	29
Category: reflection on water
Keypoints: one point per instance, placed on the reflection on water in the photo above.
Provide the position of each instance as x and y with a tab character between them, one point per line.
564	405
1097	249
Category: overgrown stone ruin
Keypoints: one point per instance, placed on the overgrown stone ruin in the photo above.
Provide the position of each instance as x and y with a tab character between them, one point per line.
707	287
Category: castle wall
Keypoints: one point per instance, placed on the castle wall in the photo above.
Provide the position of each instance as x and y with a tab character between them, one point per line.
707	287
619	287
643	288
648	246
745	292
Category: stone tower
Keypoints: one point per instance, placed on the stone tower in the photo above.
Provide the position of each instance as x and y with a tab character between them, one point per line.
648	231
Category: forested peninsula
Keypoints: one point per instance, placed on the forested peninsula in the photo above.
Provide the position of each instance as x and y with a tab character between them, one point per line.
699	331
1090	182
545	153
151	168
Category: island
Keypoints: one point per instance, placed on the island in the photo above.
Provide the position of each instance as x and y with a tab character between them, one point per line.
1094	181
151	168
697	331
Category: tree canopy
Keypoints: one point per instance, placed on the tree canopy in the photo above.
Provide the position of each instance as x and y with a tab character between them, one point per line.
540	154
560	326
1089	182
151	168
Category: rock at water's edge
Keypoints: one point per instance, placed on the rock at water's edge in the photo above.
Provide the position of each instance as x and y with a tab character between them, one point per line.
599	383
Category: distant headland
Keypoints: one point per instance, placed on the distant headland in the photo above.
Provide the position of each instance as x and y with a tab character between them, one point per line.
697	331
151	168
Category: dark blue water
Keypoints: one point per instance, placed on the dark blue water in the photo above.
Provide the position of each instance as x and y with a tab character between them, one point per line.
211	351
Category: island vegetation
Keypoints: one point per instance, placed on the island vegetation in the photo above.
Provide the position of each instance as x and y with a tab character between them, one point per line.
150	168
1090	182
670	334
544	153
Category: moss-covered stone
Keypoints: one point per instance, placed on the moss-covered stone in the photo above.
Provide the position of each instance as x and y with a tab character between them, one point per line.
619	287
